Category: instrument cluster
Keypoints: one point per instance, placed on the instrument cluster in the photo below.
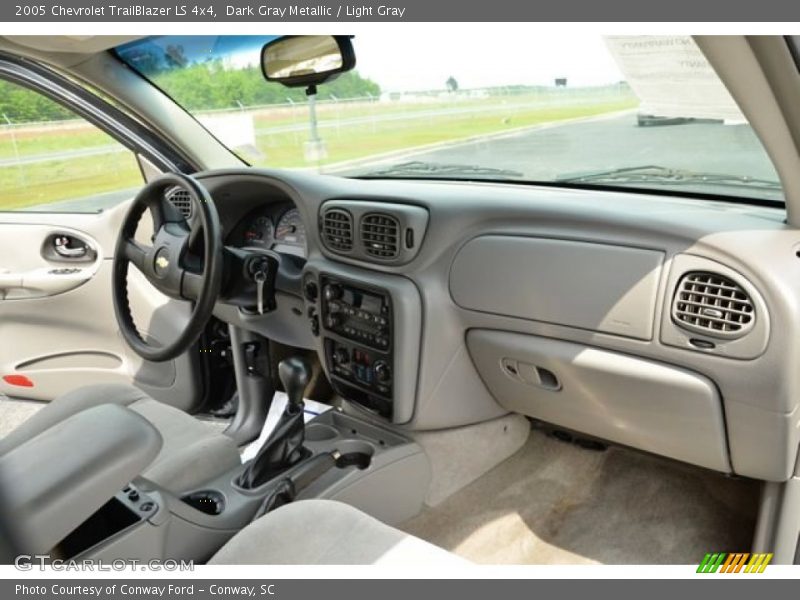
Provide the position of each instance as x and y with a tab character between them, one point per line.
275	228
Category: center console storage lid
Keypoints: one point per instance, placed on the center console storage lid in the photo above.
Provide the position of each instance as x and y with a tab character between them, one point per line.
58	479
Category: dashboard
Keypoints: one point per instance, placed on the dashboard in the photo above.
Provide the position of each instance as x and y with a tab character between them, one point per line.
661	323
277	226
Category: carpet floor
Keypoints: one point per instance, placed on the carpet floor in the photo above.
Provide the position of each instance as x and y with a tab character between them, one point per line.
556	503
15	412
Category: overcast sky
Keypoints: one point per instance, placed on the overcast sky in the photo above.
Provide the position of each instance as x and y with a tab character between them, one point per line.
400	62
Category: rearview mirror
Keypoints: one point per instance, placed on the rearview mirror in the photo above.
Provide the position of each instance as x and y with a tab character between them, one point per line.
307	60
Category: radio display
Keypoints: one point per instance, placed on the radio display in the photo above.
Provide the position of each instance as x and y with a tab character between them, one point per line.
371	304
368	302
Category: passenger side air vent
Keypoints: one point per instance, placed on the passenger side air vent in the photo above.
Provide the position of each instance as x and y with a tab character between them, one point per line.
712	304
337	229
181	200
380	235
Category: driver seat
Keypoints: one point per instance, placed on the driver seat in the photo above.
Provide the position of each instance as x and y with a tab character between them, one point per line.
192	452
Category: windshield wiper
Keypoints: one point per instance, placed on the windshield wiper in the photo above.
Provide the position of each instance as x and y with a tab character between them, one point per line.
653	174
419	168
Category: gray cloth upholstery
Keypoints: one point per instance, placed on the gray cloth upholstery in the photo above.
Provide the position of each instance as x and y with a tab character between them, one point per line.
192	452
325	532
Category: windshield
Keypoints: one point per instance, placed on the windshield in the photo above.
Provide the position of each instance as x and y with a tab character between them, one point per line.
643	112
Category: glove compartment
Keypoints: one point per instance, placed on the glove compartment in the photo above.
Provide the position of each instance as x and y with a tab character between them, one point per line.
640	403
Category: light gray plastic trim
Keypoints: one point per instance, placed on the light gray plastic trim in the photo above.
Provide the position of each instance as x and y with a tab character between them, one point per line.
748	346
599	287
635	402
63	475
787	522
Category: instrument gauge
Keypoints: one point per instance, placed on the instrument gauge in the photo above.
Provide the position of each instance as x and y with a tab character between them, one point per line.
290	233
261	232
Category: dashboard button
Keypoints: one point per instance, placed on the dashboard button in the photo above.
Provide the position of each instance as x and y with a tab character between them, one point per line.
311	291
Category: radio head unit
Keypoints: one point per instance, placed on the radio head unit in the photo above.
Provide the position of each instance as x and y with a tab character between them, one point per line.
358	342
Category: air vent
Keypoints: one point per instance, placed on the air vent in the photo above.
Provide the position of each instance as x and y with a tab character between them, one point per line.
181	200
337	229
380	235
712	304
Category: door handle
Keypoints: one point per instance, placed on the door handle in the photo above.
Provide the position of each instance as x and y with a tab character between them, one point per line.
69	247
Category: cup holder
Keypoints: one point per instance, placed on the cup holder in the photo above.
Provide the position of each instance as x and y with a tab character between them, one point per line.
319	432
210	502
354	453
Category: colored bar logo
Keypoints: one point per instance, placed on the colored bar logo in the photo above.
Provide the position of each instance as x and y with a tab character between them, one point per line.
737	562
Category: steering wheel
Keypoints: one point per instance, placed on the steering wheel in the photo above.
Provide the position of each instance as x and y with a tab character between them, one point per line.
165	263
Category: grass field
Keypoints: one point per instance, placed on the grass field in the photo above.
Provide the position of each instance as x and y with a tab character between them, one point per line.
29	175
368	139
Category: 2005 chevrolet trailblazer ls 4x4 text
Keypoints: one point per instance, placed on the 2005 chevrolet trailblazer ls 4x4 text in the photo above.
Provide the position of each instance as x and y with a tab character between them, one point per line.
381	300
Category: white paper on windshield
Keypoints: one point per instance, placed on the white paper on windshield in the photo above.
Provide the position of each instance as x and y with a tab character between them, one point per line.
672	78
279	401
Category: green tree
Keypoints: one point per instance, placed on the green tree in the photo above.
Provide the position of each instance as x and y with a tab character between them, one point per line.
21	105
203	86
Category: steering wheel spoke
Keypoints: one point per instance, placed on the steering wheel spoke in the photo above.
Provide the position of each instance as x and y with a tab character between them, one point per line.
191	285
136	253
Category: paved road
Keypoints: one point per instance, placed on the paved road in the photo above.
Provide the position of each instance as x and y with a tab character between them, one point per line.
550	152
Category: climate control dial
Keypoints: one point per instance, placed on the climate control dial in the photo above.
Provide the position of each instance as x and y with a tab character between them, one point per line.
383	372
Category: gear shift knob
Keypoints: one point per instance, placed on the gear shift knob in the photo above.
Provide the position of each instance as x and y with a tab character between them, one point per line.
294	375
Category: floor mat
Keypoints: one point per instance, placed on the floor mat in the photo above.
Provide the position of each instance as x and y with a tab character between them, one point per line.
554	502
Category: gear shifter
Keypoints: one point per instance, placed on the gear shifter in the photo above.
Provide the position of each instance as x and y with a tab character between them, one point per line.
293	373
284	447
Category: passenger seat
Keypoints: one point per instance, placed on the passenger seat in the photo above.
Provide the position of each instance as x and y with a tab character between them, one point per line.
326	532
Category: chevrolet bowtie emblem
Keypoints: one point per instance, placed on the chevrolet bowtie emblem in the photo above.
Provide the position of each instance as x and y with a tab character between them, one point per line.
162	262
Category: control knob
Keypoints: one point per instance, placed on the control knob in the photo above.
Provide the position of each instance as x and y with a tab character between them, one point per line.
341	356
383	372
332	291
311	290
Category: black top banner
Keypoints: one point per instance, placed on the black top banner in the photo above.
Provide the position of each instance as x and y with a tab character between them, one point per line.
400	10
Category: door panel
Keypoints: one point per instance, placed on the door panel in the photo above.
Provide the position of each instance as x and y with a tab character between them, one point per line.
57	323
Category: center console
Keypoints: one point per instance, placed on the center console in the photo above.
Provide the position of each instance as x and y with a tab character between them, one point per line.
377	470
358	342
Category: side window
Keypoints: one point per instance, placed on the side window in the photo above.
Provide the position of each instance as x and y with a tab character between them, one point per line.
51	159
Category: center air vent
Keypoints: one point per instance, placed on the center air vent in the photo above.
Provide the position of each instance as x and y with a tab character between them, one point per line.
377	232
380	234
181	200
337	229
712	304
